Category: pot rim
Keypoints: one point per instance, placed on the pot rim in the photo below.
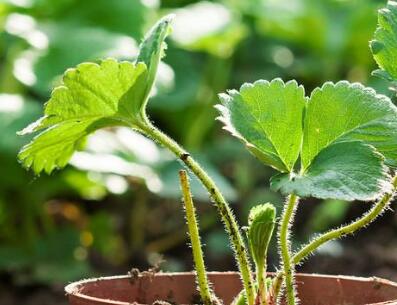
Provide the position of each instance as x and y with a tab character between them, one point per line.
72	289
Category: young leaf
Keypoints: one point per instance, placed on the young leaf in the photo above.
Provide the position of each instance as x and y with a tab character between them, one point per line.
94	96
384	44
345	112
152	50
261	222
345	170
267	117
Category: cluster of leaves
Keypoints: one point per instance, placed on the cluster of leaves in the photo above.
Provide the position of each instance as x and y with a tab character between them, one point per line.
93	32
343	135
346	130
92	97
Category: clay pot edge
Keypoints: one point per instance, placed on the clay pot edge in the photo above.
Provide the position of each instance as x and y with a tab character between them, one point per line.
73	289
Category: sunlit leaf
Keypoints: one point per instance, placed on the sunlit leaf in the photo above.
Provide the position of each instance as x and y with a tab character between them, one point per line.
92	97
267	117
342	134
344	112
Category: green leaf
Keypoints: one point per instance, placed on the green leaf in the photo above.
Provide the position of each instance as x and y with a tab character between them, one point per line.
384	44
91	92
152	50
345	171
92	97
345	112
267	117
261	221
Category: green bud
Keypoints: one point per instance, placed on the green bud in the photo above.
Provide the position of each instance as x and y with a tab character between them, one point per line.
261	221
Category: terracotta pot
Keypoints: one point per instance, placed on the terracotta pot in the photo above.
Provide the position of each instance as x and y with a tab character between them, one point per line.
180	288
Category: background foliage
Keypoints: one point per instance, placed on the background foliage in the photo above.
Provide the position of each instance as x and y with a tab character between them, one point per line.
117	205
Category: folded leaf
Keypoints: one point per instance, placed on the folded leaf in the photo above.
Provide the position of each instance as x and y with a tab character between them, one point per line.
94	96
344	112
152	50
384	44
261	221
345	171
267	117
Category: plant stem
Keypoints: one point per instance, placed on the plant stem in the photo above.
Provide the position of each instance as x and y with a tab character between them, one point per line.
354	226
202	280
224	210
345	230
285	247
261	281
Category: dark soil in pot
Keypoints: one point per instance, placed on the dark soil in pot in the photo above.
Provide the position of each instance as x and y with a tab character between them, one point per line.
180	288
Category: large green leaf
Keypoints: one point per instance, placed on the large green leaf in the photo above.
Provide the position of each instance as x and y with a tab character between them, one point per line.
94	96
348	132
344	112
267	117
346	171
384	44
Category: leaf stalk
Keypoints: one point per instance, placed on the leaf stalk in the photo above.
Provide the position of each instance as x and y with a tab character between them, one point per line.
261	282
231	225
203	284
340	232
285	247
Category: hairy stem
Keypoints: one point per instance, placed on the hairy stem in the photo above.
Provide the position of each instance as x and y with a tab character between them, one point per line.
261	282
285	247
224	210
340	232
202	280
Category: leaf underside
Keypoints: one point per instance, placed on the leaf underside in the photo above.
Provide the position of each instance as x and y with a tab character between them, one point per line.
346	171
347	135
94	96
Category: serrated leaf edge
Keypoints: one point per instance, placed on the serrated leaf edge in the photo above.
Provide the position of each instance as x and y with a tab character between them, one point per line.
227	97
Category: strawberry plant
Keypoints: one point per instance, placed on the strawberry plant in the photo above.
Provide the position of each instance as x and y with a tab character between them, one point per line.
337	142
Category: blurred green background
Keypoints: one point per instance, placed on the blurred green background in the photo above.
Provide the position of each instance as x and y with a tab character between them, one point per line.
117	205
